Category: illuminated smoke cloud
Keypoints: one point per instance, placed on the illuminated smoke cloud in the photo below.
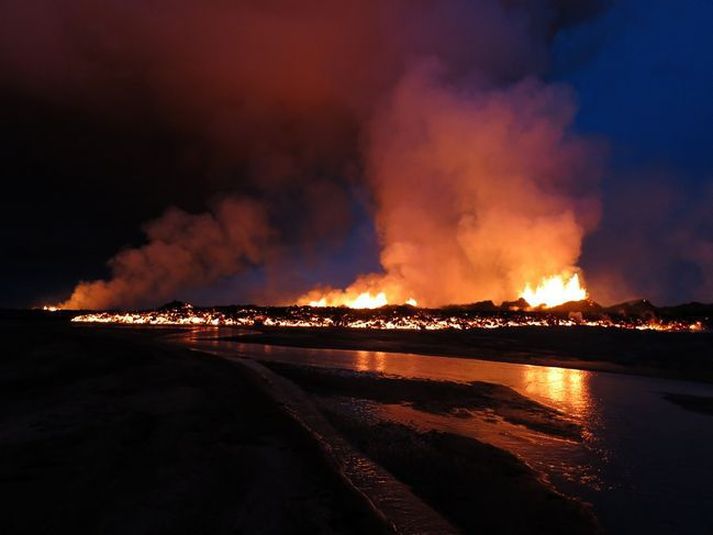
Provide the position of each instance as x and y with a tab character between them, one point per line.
481	191
431	107
478	192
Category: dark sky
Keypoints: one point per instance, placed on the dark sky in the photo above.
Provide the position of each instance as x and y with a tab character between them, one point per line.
643	73
82	174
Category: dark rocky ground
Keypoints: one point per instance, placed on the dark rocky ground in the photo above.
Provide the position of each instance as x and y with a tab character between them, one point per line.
111	432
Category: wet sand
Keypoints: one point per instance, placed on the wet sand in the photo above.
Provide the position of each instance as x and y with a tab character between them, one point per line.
437	397
104	431
477	487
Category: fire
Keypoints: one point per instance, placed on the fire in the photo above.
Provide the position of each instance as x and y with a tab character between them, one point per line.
554	290
366	300
381	318
50	308
348	299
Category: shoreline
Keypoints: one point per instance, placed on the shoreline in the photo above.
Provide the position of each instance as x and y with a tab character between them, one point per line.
695	354
355	445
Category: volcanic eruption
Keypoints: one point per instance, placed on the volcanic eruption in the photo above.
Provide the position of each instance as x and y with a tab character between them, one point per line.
555	290
433	116
479	194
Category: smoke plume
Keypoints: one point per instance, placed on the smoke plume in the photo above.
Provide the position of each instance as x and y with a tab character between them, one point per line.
482	191
478	191
433	108
183	250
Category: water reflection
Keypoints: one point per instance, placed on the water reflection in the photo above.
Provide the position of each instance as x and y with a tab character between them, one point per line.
370	361
642	463
212	337
567	389
207	336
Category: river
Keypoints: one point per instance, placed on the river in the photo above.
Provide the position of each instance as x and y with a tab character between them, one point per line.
644	463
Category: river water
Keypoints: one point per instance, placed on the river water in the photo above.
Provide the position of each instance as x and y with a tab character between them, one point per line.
645	464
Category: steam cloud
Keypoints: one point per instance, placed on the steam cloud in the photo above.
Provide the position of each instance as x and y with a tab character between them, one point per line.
433	107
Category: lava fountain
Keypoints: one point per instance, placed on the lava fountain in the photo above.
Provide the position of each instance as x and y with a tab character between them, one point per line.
550	292
555	290
362	300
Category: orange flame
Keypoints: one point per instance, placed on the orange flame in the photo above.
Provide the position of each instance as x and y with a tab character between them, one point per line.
350	299
554	290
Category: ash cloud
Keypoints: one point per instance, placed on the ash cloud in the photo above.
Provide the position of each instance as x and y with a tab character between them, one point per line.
294	106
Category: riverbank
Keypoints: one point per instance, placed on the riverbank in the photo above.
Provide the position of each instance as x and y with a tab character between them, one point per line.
638	463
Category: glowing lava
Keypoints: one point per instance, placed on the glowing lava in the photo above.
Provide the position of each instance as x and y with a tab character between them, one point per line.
380	318
362	300
555	290
366	300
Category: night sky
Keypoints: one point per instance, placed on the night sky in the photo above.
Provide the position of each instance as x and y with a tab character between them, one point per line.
88	159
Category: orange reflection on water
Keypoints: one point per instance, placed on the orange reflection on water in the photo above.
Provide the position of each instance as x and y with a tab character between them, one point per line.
567	388
370	361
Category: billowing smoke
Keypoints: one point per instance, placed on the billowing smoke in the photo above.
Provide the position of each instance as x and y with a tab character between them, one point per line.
184	250
479	191
433	108
483	191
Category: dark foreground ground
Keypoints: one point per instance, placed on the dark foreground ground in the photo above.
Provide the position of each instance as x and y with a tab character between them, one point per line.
114	431
106	432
